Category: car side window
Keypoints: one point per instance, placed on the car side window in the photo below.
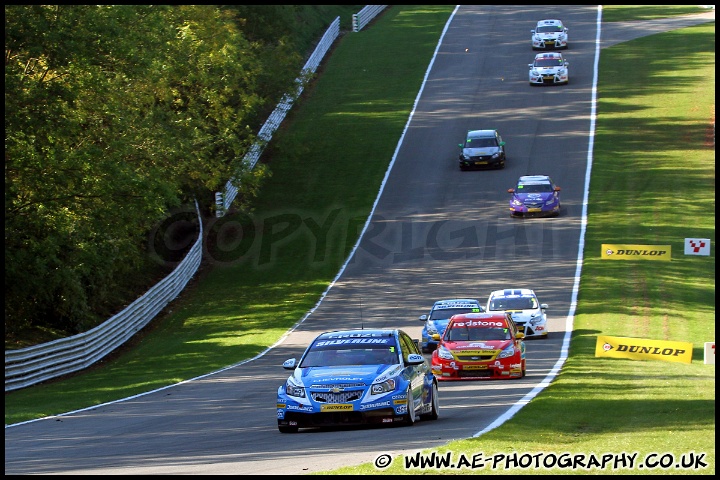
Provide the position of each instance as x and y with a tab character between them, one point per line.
408	346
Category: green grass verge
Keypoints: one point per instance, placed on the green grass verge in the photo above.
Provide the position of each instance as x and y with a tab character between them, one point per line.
653	182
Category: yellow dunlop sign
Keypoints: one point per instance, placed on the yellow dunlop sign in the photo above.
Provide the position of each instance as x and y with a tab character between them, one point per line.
612	251
336	407
643	349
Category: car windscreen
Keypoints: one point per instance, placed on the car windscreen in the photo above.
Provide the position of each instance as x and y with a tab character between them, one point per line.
446	313
464	334
333	356
549	29
534	188
480	143
549	62
514	303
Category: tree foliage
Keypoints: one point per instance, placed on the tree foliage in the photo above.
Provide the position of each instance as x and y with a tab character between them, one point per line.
115	115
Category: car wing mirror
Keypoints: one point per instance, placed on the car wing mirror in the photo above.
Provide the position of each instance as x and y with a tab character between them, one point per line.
532	32
460	145
543	306
289	364
557	189
423	318
415	359
502	144
511	190
436	336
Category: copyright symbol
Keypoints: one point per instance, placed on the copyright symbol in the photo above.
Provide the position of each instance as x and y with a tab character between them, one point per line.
383	461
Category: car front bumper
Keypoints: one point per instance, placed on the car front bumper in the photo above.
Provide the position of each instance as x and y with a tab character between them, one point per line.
522	211
549	44
553	79
481	162
495	370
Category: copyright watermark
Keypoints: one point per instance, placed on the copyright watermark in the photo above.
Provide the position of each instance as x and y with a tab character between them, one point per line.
547	461
332	233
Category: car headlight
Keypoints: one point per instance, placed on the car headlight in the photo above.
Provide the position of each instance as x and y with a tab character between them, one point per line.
497	155
294	390
383	387
550	201
466	156
445	354
534	72
537	38
516	202
562	71
536	319
509	351
431	330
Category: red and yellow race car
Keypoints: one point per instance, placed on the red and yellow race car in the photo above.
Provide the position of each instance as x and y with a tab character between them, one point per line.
480	346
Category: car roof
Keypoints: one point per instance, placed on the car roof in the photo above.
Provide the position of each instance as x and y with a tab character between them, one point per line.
534	179
501	316
359	333
548	56
455	301
481	133
549	22
509	292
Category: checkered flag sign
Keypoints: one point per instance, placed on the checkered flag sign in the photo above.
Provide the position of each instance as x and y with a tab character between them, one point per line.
697	246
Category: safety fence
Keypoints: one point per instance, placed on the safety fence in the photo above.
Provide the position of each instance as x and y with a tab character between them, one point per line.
365	16
31	365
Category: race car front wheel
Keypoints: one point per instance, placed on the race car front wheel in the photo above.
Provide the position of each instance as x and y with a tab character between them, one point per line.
435	402
410	416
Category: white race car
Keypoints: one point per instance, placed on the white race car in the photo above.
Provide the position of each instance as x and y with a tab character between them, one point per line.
524	307
549	68
549	34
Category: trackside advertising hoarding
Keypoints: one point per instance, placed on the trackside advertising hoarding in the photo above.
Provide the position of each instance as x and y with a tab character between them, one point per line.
643	349
612	251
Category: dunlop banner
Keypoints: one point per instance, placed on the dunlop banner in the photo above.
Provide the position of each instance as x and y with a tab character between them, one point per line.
643	349
613	251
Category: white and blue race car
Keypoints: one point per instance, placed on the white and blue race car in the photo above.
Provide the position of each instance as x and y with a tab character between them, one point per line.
357	377
549	34
549	68
524	307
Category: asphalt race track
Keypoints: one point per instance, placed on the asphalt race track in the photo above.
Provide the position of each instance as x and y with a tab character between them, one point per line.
436	233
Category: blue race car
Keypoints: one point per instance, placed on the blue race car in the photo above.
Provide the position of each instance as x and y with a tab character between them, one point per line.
535	196
439	316
357	377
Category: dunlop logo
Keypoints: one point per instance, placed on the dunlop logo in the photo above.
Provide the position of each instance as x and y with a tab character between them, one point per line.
643	349
336	408
636	252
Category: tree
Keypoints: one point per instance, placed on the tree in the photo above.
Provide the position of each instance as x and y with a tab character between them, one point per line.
114	115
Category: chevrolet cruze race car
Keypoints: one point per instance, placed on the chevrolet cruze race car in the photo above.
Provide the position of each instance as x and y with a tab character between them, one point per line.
356	377
482	149
549	69
523	305
480	346
549	34
439	316
535	196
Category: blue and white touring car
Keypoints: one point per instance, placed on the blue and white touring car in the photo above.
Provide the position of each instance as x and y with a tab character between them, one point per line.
356	377
436	321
